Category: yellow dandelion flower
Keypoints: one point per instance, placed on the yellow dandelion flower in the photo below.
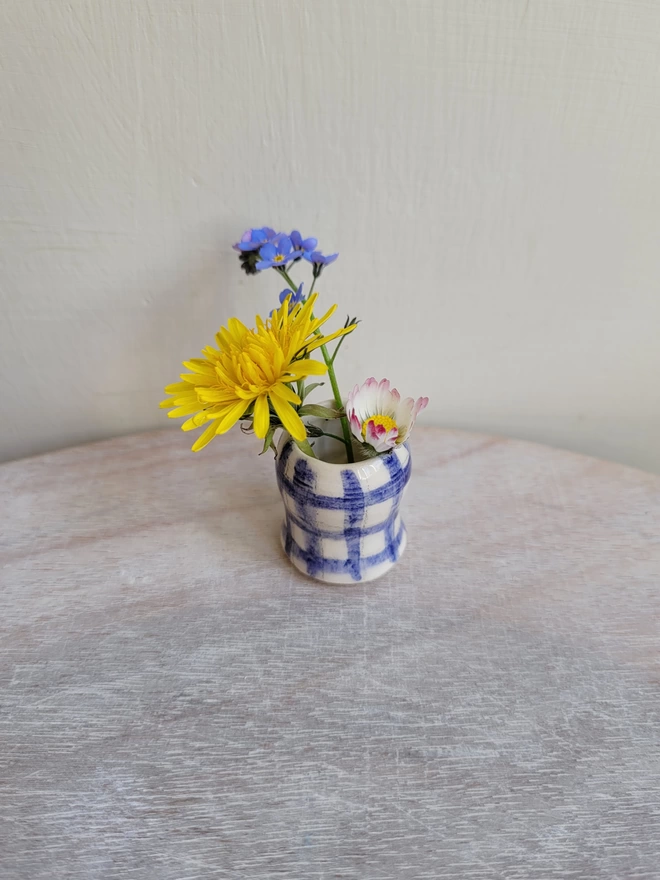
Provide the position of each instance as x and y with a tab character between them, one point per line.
251	369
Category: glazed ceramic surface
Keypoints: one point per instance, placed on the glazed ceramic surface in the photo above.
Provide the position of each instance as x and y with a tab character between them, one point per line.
342	522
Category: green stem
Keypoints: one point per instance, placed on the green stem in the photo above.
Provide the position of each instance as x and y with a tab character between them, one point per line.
300	383
288	280
346	431
311	289
334	436
334	353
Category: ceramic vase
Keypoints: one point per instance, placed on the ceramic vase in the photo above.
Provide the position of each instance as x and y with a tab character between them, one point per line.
342	523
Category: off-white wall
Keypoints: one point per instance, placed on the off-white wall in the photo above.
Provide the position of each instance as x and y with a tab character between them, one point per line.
489	172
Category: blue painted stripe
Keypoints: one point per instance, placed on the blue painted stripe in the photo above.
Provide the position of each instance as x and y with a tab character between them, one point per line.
353	516
338	502
279	471
340	566
305	482
394	467
338	534
282	460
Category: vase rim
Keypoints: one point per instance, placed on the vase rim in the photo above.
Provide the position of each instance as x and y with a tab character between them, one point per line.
345	465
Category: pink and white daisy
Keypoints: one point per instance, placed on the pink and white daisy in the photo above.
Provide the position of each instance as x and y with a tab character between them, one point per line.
379	417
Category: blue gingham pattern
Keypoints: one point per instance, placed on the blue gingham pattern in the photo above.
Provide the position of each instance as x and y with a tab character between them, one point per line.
342	523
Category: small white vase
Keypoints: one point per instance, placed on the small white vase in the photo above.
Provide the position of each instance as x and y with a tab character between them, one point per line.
341	521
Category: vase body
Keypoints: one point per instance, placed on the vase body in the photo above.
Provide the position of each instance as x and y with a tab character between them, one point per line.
341	521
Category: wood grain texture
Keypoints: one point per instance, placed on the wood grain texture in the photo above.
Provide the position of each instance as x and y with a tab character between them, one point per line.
179	703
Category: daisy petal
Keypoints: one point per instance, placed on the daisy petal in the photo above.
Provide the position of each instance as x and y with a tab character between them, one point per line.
237	329
323	340
197	366
231	416
289	418
286	393
195	422
307	367
184	410
205	438
261	416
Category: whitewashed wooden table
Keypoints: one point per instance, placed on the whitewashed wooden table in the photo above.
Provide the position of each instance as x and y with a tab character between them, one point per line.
178	703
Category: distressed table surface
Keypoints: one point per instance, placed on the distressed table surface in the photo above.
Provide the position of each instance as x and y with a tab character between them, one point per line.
178	703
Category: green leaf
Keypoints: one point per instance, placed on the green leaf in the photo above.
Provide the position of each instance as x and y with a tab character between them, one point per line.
268	440
309	388
367	450
305	447
350	322
313	431
321	412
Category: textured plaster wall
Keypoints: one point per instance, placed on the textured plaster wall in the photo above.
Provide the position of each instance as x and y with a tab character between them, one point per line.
488	170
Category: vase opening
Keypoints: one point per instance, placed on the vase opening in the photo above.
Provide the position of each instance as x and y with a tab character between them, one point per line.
329	449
